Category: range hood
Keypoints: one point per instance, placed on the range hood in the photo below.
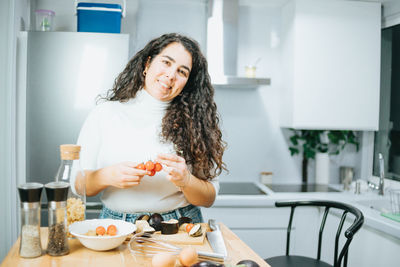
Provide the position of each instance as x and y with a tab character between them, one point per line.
222	40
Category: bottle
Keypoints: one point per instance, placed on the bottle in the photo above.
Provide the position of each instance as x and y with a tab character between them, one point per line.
71	172
57	193
30	195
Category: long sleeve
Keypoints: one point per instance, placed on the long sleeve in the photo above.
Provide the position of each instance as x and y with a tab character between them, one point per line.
90	140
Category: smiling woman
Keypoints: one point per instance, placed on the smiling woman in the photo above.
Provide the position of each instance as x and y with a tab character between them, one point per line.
161	108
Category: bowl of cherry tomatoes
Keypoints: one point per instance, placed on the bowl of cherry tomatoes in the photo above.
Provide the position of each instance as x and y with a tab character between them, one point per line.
101	234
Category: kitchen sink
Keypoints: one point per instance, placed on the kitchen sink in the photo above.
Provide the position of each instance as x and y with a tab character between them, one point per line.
381	205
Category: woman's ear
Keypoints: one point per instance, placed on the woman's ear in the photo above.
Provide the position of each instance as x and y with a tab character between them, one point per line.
147	65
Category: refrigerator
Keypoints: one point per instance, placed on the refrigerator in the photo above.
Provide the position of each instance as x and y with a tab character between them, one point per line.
60	75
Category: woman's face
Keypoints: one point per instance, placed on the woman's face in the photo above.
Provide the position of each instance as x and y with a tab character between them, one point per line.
168	72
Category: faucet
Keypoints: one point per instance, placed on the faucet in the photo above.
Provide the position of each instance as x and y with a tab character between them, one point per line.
380	185
381	175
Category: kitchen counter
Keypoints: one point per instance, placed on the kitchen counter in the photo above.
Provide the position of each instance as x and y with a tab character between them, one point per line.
121	256
372	217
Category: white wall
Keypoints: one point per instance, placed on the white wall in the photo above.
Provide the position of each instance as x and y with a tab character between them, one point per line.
251	117
155	18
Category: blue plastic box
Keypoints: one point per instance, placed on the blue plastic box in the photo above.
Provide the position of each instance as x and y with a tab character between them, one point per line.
96	17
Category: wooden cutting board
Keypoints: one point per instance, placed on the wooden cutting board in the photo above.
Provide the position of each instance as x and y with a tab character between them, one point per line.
183	238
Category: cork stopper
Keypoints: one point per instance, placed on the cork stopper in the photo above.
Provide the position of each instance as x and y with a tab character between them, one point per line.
69	152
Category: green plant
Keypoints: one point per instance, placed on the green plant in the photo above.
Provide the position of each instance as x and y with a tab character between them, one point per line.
311	142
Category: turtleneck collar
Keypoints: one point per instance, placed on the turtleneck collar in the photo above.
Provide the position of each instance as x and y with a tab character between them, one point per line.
147	102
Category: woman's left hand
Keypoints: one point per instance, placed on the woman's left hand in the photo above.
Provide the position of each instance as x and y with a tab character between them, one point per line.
176	168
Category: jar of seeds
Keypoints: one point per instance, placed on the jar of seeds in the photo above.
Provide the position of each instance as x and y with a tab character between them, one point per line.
30	195
57	193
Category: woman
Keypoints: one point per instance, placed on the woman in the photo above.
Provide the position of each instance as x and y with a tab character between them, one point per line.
161	108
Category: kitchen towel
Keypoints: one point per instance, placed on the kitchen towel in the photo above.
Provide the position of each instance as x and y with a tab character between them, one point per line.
395	217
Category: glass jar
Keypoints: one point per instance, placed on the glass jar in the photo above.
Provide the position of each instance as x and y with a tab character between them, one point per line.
30	244
44	19
57	193
71	172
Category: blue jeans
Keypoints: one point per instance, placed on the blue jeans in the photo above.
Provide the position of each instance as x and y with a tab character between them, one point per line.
190	211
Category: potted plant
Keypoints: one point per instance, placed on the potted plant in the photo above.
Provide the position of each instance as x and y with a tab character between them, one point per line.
311	142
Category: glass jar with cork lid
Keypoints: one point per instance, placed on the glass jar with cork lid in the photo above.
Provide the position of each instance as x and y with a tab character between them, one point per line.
71	172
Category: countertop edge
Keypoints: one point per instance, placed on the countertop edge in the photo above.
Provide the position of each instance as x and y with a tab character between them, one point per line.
372	218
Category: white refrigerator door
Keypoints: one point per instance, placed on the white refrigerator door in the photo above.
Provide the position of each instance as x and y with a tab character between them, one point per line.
65	71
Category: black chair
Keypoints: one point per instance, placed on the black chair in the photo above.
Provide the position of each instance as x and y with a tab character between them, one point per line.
301	261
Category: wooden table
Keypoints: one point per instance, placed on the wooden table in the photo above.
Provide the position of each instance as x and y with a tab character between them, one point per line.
121	256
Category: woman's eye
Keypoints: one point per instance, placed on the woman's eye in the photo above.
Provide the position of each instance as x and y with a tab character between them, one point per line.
166	62
183	73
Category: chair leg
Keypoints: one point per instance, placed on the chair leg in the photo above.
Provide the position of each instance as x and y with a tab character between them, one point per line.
345	257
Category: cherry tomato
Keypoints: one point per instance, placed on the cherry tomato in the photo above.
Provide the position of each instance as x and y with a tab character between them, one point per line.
100	230
152	172
189	227
149	165
112	229
141	166
157	167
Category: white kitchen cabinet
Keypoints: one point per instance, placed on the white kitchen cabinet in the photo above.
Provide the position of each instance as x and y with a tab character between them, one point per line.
263	229
369	248
331	65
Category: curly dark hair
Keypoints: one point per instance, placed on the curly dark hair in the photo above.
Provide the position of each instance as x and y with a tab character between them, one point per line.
191	121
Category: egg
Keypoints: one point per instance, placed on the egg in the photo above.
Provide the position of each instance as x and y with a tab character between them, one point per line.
163	260
188	256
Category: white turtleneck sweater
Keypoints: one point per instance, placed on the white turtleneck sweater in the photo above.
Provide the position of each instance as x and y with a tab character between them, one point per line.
115	132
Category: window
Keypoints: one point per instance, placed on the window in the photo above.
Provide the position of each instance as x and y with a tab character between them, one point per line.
387	139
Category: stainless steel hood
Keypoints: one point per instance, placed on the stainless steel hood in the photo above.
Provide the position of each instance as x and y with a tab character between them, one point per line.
222	40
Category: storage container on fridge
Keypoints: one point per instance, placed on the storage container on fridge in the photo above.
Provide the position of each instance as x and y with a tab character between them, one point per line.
99	17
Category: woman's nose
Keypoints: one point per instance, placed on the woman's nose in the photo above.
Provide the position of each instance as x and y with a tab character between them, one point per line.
170	73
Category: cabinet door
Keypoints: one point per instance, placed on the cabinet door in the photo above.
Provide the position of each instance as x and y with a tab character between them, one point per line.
331	65
265	242
369	248
264	229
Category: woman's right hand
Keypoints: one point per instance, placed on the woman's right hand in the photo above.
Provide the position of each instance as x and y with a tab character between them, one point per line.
123	175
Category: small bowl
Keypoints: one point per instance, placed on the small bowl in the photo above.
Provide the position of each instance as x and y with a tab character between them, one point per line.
101	243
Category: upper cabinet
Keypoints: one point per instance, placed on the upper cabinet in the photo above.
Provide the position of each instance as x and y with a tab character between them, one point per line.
331	65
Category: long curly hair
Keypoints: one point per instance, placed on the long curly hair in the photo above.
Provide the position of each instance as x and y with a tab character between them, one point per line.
191	121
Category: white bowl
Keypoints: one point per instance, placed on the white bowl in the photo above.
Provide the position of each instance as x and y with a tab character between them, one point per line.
101	243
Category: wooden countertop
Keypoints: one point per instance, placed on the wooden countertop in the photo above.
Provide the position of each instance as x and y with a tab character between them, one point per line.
121	256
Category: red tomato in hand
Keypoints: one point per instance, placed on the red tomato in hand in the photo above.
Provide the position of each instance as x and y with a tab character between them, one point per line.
141	166
152	172
157	167
149	165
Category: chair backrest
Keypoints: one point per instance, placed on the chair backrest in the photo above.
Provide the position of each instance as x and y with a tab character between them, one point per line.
349	233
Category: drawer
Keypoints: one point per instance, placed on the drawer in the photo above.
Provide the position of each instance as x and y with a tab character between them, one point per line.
248	217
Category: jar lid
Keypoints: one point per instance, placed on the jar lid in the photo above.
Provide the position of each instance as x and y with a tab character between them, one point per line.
69	151
70	148
30	192
57	191
45	12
